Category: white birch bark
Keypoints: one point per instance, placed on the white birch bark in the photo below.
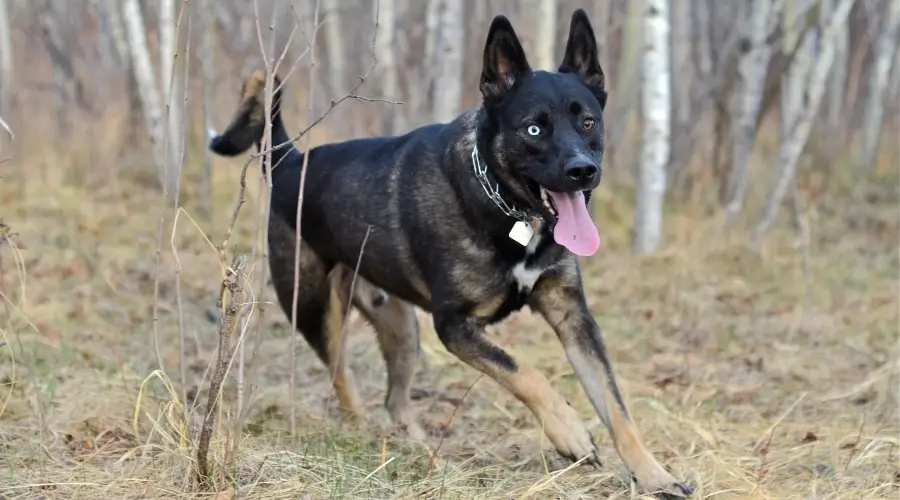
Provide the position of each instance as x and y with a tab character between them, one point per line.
166	44
837	82
387	65
6	58
206	54
795	140
449	70
752	68
545	38
873	112
143	73
420	94
656	110
171	71
334	44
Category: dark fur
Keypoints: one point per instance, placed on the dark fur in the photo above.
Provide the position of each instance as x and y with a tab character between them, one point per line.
436	240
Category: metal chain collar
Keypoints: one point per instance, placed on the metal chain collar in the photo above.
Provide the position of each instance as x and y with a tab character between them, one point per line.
494	192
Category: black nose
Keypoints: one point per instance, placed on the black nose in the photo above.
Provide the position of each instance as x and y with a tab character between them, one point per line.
582	172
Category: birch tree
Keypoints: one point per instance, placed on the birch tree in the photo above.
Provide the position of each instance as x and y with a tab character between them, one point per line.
682	86
794	140
656	111
6	58
170	84
752	68
334	46
206	54
142	69
873	112
449	72
837	82
545	37
387	65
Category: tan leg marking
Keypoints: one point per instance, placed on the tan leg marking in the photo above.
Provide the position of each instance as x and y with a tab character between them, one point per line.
565	310
560	421
338	368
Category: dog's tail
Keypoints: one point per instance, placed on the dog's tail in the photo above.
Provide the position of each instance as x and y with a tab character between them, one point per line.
248	125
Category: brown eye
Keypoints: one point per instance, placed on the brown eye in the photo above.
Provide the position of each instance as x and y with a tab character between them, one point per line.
588	124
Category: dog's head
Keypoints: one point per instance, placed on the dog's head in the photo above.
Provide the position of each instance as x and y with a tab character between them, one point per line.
545	129
249	121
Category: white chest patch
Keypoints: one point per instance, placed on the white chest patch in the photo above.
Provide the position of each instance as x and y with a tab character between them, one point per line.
526	277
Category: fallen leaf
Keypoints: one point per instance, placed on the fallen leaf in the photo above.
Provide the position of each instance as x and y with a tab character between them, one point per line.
224	495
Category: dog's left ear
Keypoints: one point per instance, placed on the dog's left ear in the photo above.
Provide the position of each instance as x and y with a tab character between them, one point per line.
504	60
582	57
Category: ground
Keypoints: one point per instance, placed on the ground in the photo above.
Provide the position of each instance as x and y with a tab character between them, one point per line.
750	375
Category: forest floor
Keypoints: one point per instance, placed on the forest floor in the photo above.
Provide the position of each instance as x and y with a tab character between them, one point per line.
769	375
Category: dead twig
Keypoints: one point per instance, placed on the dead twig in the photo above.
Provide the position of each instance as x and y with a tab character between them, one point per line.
446	426
232	288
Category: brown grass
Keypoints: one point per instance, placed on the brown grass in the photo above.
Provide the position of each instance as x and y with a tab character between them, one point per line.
745	378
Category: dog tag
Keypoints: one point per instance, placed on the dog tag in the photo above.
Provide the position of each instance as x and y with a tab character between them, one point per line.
521	233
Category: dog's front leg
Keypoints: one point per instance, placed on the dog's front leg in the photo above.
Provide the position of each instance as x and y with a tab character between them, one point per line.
465	338
561	302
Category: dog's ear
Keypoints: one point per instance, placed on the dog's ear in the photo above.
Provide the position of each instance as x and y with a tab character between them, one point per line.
582	57
504	60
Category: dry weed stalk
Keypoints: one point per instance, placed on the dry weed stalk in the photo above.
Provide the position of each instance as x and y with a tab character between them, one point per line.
232	289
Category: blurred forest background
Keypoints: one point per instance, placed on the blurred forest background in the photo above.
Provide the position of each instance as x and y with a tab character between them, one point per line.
748	282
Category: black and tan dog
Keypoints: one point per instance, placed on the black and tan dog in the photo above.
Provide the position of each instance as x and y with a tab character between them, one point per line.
469	220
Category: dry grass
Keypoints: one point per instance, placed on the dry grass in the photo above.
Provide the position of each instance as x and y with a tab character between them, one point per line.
743	381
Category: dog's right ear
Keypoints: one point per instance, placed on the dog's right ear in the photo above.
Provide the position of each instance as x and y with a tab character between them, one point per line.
504	60
249	120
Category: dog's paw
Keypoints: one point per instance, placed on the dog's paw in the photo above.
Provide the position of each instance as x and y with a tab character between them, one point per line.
664	486
569	436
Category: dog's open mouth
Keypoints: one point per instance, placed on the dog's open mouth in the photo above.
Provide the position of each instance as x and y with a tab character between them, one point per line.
569	219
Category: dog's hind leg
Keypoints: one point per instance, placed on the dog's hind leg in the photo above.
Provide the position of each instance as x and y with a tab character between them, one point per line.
322	301
397	327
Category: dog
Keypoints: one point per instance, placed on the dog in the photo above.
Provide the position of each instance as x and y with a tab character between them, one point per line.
470	221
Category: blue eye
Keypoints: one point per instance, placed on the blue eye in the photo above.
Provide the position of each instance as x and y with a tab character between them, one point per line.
533	130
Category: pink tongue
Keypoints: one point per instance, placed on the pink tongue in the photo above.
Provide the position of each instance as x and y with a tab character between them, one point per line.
574	230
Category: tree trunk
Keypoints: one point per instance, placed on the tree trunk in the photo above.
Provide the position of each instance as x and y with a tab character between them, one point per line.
656	111
207	56
150	99
117	30
752	69
171	70
429	65
448	74
625	91
794	79
6	61
166	45
682	131
837	83
795	140
66	87
545	37
334	45
873	114
387	65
